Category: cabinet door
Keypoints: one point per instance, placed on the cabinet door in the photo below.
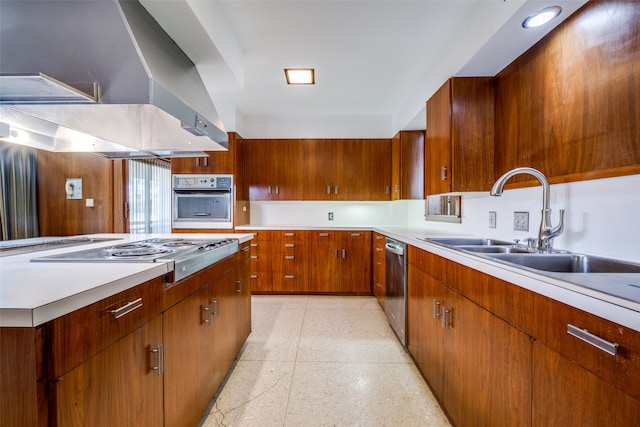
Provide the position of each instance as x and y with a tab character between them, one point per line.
375	170
243	297
320	173
273	169
324	260
122	385
216	162
187	345
437	144
566	394
378	266
424	326
412	164
355	267
487	369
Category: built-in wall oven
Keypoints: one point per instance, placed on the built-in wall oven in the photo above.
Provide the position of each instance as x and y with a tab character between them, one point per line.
202	201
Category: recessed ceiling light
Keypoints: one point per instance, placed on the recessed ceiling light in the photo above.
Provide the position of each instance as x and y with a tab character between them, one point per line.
300	76
541	17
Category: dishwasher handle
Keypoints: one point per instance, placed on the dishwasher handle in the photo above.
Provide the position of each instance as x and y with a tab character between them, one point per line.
394	249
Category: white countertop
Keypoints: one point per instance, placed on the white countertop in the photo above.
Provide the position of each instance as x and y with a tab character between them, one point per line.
32	293
615	309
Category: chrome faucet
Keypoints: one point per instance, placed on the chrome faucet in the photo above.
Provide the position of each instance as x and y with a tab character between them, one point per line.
546	232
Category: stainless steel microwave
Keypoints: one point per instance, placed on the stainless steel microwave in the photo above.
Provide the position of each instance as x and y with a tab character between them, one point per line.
202	201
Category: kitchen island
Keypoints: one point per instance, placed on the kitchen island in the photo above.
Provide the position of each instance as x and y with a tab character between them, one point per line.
101	343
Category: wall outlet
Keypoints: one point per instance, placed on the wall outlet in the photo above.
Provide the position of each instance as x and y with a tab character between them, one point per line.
330	216
521	221
492	219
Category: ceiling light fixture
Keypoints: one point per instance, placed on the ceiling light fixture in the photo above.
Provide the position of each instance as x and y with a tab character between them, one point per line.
541	17
300	76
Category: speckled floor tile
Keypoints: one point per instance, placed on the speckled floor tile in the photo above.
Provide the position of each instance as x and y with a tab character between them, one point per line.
357	394
323	361
256	394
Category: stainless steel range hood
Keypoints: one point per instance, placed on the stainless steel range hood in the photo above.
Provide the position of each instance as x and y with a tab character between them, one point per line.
103	69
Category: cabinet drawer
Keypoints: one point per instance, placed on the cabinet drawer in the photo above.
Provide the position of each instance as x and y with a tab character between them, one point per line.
429	263
83	333
261	263
551	323
261	281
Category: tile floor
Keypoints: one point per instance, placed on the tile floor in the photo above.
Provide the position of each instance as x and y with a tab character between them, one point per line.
323	361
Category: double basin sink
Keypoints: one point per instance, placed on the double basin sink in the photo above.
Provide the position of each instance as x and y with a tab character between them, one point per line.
558	262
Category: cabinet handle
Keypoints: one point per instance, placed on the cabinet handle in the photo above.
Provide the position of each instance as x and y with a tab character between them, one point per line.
355	234
239	286
378	237
335	253
378	249
323	235
289	257
254	256
206	161
254	276
446	318
594	340
206	315
436	309
197	161
386	189
216	308
126	309
289	234
397	188
289	276
253	245
245	249
335	189
443	173
156	359
344	253
379	263
277	190
328	189
269	189
289	245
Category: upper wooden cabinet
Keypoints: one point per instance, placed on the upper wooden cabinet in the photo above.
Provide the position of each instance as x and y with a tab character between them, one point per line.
318	169
407	165
273	169
459	137
216	162
569	106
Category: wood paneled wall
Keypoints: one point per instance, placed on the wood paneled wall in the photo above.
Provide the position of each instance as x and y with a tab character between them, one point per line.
570	106
62	217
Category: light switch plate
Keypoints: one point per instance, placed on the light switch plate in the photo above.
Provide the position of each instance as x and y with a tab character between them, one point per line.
521	221
492	219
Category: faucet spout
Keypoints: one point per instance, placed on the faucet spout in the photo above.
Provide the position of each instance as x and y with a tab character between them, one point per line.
547	232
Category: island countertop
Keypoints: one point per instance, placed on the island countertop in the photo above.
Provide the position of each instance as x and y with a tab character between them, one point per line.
33	293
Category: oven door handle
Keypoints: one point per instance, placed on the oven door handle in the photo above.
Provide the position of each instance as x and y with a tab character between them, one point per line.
202	214
208	191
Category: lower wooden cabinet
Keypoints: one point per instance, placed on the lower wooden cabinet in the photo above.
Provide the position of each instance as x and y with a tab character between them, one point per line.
147	356
306	261
495	354
478	365
121	385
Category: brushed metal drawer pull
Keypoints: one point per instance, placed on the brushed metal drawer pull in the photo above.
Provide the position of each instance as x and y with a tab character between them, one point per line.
436	308
289	245
127	308
254	276
328	189
355	234
254	256
289	276
254	245
289	257
323	235
594	340
206	315
157	364
446	318
443	173
245	249
289	234
378	249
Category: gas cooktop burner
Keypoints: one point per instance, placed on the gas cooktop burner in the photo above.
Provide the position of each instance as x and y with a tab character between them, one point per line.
127	246
140	252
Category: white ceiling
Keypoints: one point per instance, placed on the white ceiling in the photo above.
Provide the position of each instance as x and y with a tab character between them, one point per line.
376	61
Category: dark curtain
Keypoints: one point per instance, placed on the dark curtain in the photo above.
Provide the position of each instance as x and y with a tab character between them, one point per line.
18	192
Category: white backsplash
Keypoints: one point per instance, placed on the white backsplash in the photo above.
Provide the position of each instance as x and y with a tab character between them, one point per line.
601	215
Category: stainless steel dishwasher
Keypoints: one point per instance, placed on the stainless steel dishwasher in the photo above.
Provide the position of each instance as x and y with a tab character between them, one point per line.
395	304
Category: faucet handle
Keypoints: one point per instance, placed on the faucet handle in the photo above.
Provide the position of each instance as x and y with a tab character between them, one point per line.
527	242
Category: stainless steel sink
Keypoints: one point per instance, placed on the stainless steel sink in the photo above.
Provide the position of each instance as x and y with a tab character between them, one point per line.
494	249
467	241
568	263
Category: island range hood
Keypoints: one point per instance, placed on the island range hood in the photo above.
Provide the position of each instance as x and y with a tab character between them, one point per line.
104	71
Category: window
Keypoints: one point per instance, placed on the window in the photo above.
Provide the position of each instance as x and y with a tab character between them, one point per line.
149	196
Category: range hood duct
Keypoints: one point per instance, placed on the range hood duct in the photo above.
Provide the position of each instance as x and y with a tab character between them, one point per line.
105	69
